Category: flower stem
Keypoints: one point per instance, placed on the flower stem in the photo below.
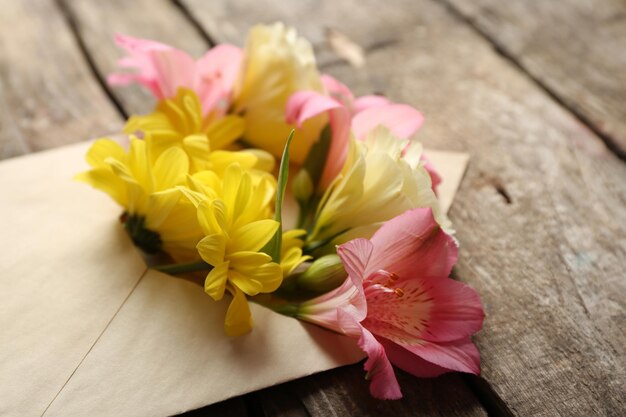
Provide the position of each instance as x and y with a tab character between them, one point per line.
175	269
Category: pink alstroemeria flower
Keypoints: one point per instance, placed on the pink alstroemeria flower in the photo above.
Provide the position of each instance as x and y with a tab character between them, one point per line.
360	115
163	69
400	304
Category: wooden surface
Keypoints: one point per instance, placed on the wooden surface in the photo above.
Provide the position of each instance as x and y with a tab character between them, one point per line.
533	91
574	49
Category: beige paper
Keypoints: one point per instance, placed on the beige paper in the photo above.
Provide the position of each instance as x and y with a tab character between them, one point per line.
67	267
78	338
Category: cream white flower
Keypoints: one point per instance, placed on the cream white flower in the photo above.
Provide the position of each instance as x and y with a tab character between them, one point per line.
276	64
382	178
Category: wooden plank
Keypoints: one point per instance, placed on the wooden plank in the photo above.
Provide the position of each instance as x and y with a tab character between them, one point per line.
540	214
97	22
48	95
343	392
234	407
575	48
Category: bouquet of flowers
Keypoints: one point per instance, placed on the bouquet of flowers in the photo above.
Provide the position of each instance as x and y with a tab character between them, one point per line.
280	187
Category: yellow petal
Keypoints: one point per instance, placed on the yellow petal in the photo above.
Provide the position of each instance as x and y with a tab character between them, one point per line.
253	236
212	217
215	282
230	184
193	196
212	248
248	260
161	204
105	180
264	160
245	282
138	164
170	168
102	149
244	193
238	317
291	259
265	278
225	131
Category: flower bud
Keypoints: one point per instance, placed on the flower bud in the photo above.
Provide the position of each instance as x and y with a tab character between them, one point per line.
302	186
325	274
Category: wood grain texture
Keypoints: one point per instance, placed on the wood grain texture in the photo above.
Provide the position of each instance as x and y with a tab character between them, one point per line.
343	392
97	23
540	214
576	48
48	96
234	407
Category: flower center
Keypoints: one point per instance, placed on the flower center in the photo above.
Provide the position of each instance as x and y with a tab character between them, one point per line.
147	240
384	281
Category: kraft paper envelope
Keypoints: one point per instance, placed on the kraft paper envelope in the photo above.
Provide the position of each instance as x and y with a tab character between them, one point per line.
87	329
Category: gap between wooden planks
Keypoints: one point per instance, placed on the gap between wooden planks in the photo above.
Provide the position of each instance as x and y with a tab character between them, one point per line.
575	49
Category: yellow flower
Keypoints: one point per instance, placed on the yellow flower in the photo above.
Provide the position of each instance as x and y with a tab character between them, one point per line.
179	122
276	64
291	251
233	213
155	215
377	183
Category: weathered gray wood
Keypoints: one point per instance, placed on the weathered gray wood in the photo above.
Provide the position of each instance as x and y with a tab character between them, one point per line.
279	401
540	215
98	21
234	407
48	96
576	48
343	392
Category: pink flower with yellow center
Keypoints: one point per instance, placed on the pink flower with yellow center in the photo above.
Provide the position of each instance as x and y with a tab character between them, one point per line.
400	304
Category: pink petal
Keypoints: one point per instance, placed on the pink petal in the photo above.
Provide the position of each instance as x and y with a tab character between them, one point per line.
355	256
435	179
365	102
223	60
460	355
215	76
174	69
322	310
412	244
401	119
410	362
421	309
160	68
457	311
384	384
304	105
337	90
338	150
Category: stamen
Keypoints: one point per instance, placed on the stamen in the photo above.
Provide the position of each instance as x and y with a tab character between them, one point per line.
399	292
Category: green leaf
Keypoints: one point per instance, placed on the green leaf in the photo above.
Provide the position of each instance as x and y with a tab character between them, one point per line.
273	247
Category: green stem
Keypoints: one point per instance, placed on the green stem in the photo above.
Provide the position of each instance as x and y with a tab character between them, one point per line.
284	308
175	269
